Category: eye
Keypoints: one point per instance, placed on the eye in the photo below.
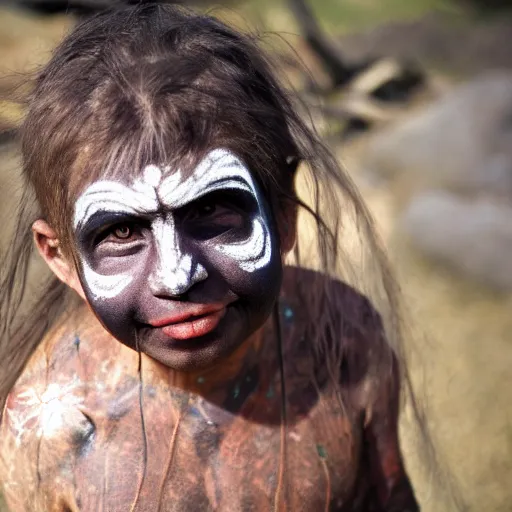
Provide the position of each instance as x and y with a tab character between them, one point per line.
120	233
211	208
123	231
212	215
204	209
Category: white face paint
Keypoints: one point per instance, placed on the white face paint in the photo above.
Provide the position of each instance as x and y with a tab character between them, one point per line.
176	271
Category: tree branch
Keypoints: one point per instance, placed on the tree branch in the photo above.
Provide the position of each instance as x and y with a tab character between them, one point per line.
340	72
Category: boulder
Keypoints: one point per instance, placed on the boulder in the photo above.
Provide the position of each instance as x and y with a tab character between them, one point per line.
472	236
462	142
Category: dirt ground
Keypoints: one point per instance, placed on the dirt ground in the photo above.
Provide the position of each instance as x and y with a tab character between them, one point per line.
466	352
463	336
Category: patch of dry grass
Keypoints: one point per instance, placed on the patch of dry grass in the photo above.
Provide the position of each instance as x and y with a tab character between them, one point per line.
464	343
26	41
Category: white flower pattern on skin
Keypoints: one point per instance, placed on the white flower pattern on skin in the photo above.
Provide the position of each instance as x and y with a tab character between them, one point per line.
176	271
49	410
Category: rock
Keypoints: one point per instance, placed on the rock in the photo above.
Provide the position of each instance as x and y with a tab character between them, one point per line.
462	142
389	80
481	44
471	236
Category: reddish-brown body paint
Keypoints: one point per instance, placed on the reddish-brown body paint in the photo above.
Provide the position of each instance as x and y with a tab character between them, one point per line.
72	436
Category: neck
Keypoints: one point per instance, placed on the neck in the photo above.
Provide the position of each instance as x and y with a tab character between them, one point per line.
216	382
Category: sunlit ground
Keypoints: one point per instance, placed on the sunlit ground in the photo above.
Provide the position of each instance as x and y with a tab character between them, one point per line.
466	359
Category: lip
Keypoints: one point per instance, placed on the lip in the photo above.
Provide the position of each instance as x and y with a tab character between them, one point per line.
194	322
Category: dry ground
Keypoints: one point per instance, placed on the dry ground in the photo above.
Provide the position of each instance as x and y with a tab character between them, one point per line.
464	336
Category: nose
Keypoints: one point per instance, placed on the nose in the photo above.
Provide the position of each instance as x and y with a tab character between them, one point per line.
174	271
177	281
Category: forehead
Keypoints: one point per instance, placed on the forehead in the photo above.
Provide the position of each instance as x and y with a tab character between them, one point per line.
162	186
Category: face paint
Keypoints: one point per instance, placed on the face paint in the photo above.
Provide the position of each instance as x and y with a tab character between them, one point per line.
187	266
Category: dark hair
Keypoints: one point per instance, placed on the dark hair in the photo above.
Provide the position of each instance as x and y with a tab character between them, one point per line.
157	83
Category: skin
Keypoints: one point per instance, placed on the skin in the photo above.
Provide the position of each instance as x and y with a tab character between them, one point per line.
172	244
71	433
84	429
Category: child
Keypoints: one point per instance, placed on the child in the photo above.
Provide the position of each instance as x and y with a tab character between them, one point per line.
197	372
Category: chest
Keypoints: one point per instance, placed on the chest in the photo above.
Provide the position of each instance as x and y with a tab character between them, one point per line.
198	456
126	448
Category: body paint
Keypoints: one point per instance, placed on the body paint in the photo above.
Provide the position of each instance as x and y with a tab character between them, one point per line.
236	266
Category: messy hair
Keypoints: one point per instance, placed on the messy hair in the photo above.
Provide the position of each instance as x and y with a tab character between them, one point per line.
161	84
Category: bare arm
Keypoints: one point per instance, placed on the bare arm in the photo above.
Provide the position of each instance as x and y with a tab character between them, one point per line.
390	484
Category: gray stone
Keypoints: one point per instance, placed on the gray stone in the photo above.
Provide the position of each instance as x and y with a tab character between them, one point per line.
462	142
471	236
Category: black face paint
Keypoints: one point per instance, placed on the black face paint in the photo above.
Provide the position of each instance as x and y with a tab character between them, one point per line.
188	267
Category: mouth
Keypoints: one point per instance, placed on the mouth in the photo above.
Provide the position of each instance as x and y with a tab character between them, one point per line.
191	324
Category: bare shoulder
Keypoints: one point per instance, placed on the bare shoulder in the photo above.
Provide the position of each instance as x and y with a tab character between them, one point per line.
69	349
305	285
350	327
45	421
351	312
369	378
74	357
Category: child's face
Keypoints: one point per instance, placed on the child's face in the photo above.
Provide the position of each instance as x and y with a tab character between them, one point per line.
187	266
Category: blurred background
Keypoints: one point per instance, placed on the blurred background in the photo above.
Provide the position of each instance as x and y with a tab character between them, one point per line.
415	97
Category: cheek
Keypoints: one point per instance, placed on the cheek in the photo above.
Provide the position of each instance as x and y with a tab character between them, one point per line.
116	315
252	269
255	252
111	277
113	299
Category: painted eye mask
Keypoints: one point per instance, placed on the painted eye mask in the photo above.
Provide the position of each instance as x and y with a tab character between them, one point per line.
173	247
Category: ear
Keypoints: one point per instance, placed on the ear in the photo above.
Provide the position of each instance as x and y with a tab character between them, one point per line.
48	246
287	223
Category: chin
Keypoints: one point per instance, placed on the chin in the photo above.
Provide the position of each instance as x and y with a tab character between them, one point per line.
193	354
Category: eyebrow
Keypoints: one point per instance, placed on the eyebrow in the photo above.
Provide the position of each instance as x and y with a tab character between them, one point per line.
219	170
191	195
111	196
224	172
